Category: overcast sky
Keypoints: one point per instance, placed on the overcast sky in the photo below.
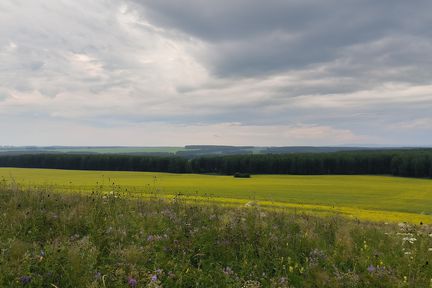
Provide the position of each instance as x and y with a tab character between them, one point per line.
237	72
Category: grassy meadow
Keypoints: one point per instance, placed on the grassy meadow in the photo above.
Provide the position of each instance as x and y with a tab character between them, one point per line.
116	150
102	150
373	198
100	239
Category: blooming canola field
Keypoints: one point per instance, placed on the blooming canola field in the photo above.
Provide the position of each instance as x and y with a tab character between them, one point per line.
372	198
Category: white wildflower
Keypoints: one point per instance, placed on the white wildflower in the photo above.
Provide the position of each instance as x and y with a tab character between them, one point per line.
405	234
228	271
409	239
251	204
403	225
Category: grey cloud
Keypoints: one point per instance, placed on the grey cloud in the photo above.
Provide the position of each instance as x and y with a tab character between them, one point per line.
222	20
251	37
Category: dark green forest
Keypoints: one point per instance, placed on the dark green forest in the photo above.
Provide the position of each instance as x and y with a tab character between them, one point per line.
407	163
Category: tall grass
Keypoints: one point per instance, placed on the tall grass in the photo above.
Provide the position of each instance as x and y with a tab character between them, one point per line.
104	239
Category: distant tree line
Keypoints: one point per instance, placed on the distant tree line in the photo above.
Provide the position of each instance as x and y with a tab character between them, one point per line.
107	162
407	163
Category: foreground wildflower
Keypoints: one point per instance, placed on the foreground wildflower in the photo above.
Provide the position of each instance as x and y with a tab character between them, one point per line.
132	282
228	271
25	279
411	240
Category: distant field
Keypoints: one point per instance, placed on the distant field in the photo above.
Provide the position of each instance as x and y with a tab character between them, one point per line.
187	151
123	150
368	197
109	150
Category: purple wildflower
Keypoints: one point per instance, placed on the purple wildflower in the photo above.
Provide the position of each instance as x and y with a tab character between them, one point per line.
154	278
371	268
132	282
25	279
228	271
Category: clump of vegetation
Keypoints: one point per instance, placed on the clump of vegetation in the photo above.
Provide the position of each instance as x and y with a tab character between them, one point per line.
241	175
107	240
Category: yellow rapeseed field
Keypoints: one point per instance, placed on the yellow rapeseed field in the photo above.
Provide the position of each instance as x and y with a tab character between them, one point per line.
374	198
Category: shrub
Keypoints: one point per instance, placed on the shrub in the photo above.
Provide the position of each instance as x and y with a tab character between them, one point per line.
241	175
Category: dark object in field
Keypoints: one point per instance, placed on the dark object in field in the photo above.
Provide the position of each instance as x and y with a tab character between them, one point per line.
242	175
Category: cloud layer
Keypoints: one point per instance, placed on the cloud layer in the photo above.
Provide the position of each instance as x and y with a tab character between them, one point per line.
277	72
